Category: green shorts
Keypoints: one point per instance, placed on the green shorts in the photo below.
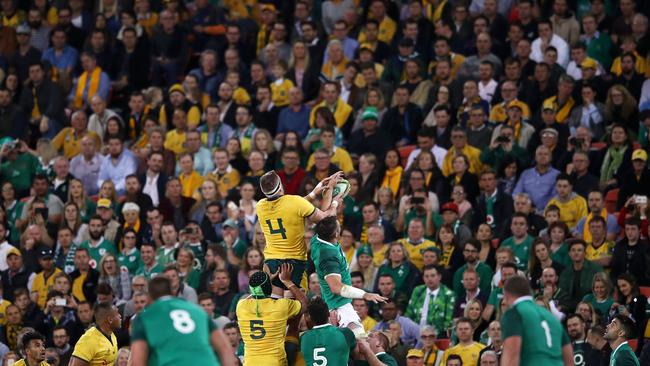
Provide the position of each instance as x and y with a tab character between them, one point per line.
299	268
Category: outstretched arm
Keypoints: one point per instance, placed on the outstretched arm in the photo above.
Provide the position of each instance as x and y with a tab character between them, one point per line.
285	277
350	292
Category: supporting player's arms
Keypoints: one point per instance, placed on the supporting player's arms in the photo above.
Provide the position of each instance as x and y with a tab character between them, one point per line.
221	345
338	288
139	353
285	276
76	361
322	185
567	355
512	351
370	356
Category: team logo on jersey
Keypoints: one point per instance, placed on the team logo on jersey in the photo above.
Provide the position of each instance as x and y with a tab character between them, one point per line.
102	251
132	258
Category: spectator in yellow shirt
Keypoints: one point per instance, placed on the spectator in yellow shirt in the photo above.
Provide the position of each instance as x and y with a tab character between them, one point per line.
466	348
460	146
239	94
224	175
339	156
281	86
175	139
68	139
572	206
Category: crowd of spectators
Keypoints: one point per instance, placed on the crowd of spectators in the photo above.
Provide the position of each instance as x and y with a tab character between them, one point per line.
481	139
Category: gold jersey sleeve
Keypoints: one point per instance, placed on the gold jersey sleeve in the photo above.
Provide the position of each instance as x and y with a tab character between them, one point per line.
264	335
283	223
94	348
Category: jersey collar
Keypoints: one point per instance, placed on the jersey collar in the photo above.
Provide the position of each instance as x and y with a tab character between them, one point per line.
325	242
322	326
523	298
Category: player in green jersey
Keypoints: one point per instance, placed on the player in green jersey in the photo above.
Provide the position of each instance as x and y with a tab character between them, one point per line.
532	336
618	331
334	276
324	344
172	331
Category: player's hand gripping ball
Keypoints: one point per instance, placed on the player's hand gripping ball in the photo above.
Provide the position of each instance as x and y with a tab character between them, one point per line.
341	189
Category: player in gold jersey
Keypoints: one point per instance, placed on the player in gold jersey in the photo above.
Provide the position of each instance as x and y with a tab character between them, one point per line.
282	218
263	320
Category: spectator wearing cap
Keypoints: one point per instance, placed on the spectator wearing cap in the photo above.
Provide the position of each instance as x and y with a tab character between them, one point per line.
178	100
92	81
523	131
415	357
450	217
370	138
105	210
233	242
548	114
15	276
19	166
44	280
636	181
118	164
24	54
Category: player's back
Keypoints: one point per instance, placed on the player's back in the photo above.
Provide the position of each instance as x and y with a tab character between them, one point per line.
542	334
177	332
327	345
264	333
283	223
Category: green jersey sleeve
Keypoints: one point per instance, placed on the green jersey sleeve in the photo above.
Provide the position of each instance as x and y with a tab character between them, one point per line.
329	262
212	326
511	324
350	339
387	359
137	330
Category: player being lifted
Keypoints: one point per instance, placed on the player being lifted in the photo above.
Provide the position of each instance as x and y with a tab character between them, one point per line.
334	277
282	218
263	321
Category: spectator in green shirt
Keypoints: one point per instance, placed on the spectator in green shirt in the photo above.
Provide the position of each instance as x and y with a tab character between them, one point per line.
19	166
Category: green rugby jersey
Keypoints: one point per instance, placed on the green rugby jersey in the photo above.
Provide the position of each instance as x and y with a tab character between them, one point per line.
329	259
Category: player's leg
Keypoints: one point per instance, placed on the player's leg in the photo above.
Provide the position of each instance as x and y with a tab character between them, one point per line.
299	268
348	318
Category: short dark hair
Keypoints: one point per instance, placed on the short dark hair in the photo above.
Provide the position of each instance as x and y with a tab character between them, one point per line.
326	228
575	315
31	336
318	311
354	274
104	289
626	324
159	286
101	310
564	176
517	286
204	296
455	358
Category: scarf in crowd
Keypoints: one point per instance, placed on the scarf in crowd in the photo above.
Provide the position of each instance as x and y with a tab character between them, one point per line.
489	209
245	138
613	159
392	179
135	125
333	72
95	78
434	13
586	234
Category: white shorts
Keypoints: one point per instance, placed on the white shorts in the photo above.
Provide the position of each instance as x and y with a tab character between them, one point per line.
345	315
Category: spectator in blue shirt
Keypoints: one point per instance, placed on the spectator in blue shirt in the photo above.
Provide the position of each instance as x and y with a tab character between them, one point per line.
295	117
538	181
62	57
117	165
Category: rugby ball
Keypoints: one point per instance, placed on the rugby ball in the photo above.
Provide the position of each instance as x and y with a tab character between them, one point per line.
341	189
